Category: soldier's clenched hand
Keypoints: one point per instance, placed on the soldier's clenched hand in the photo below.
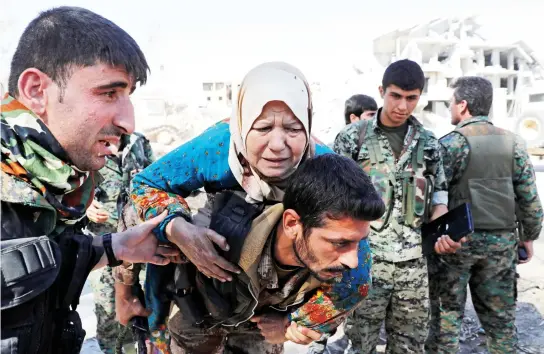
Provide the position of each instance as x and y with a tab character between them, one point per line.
127	305
273	327
530	251
445	244
96	212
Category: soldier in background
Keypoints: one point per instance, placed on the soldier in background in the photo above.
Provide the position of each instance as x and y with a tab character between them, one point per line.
490	168
403	160
359	107
133	155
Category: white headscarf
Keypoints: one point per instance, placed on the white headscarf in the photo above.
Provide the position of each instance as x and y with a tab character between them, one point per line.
275	81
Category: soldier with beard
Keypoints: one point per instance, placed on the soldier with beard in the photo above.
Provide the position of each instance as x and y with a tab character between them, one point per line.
292	250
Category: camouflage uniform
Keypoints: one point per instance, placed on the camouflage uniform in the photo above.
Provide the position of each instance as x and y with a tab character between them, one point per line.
113	194
487	261
399	293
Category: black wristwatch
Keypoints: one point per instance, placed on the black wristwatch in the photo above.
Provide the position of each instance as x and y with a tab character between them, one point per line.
106	243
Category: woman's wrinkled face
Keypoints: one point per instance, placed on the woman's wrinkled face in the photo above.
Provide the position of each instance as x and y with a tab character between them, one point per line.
276	141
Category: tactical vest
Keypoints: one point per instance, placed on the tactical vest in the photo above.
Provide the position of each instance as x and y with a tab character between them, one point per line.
487	181
416	181
42	274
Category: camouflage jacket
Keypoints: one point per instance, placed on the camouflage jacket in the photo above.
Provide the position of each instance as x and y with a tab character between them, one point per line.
45	258
398	241
135	155
455	151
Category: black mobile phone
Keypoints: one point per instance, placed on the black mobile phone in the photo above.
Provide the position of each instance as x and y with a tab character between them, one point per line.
522	253
456	223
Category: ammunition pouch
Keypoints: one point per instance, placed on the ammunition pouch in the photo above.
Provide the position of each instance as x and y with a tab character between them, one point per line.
417	199
417	185
41	278
29	267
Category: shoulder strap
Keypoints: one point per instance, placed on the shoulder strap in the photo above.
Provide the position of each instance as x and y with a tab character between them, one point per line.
231	217
362	134
418	152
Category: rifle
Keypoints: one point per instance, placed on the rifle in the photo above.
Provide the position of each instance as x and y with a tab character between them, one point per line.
138	325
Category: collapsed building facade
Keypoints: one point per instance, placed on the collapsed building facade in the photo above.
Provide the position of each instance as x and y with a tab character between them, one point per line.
448	48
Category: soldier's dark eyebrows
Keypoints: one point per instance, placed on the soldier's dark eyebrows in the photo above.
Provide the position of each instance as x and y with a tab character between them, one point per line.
341	240
398	95
345	240
114	85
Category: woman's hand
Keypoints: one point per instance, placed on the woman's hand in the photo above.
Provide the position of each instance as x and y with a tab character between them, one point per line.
197	244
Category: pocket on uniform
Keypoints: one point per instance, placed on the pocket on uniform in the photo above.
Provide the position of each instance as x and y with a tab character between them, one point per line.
423	193
385	189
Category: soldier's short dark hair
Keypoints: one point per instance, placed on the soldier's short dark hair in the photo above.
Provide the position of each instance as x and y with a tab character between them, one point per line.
476	91
332	186
406	74
359	104
66	37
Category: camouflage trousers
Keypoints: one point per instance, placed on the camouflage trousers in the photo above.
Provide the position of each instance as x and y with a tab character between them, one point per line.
188	338
101	280
400	296
107	328
490	272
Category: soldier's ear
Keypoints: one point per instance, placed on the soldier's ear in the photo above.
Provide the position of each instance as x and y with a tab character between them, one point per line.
291	224
353	118
33	85
382	91
463	105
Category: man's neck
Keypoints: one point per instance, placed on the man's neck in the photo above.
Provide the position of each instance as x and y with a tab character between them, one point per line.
387	122
464	119
283	248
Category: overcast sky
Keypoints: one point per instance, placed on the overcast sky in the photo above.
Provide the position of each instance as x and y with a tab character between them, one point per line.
224	39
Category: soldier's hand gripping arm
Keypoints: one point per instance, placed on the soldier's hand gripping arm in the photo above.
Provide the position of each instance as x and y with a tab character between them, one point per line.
527	198
138	245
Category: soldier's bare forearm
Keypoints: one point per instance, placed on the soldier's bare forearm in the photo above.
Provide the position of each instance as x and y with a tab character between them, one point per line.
122	290
438	211
127	273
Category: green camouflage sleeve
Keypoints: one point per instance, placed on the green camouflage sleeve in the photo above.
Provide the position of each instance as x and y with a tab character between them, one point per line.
455	150
345	143
150	157
435	165
528	201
